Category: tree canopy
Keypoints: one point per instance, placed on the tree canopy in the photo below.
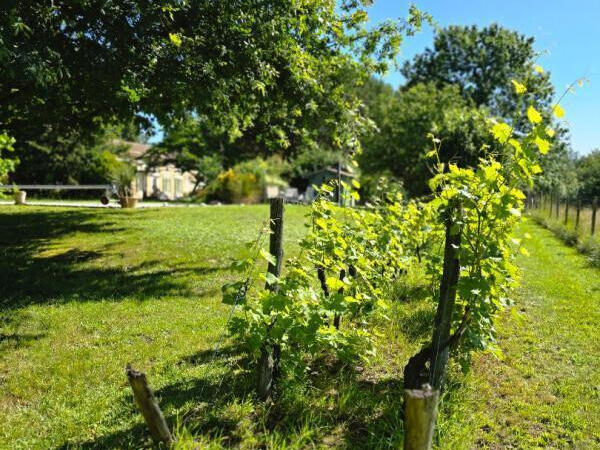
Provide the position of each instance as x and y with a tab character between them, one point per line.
272	70
588	171
482	62
468	75
399	147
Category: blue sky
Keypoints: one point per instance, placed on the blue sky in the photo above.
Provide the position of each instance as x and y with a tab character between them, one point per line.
568	31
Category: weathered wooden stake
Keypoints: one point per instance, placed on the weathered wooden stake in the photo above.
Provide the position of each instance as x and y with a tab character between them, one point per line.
594	209
443	317
270	354
339	183
159	430
577	214
420	412
421	404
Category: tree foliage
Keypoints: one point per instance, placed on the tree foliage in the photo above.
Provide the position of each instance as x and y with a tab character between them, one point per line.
588	173
400	145
470	72
272	70
7	163
482	62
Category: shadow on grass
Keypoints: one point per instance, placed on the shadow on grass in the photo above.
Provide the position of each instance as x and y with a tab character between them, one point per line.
340	406
27	276
204	399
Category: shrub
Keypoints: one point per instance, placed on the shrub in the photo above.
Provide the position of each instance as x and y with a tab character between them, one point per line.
245	182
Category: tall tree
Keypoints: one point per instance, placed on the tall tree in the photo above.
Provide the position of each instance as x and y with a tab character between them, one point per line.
588	173
482	62
272	69
399	147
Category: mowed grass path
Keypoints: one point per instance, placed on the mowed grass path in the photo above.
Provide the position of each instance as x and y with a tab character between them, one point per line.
83	292
545	393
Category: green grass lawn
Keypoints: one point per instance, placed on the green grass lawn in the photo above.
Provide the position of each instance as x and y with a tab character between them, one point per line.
83	292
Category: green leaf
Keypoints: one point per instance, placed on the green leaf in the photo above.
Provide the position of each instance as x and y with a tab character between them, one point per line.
334	283
268	257
175	39
515	144
501	132
533	115
558	111
270	279
542	144
519	88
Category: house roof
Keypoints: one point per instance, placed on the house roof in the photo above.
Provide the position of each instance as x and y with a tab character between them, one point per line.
135	150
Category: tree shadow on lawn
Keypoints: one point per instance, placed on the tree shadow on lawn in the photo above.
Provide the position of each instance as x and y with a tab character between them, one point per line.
202	398
28	278
343	407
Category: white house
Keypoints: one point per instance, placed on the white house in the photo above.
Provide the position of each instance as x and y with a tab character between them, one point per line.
165	182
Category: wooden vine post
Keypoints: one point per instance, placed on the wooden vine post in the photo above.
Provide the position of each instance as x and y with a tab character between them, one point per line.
420	413
148	405
270	354
443	316
594	210
421	404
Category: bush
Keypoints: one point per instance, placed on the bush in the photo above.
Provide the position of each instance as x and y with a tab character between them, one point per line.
245	182
233	186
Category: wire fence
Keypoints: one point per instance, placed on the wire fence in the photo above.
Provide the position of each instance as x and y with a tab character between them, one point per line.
575	214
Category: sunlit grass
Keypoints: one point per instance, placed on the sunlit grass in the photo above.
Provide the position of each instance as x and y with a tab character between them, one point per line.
86	291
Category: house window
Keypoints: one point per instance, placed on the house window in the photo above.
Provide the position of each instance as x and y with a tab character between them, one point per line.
140	182
166	185
178	185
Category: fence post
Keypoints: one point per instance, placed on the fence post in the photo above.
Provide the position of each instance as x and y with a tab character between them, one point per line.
144	397
420	412
566	210
577	214
443	317
421	404
594	209
270	354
